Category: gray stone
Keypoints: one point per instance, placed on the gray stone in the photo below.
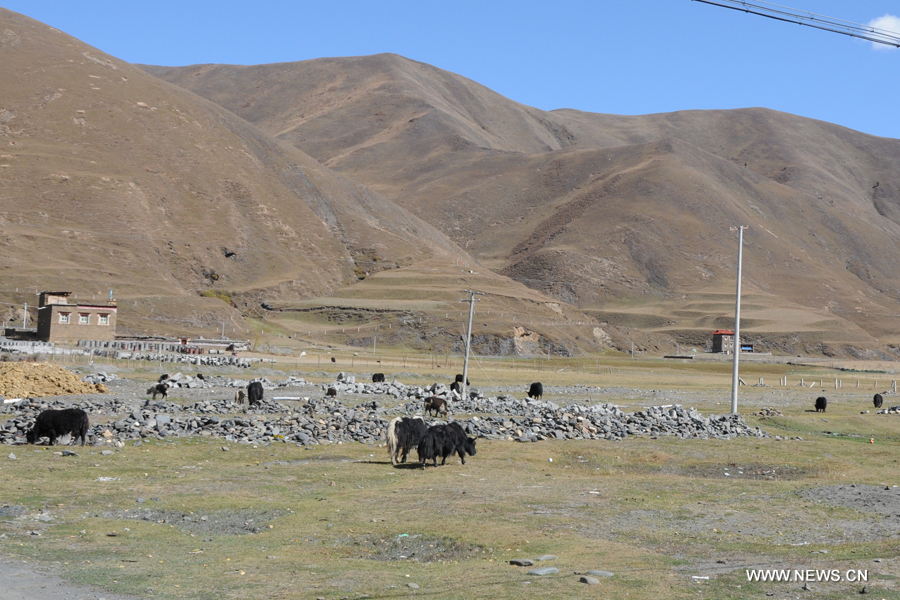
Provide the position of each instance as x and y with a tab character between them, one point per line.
589	580
544	571
414	586
69	453
546	557
601	573
107	453
11	456
521	562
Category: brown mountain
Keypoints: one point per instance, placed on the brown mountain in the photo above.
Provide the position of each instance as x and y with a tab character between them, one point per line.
114	179
626	217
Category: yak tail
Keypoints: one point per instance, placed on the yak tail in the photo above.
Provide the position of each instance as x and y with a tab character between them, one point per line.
427	448
391	437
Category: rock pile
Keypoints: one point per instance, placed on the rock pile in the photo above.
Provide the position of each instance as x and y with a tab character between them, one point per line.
322	420
318	421
180	380
100	377
766	412
604	421
214	360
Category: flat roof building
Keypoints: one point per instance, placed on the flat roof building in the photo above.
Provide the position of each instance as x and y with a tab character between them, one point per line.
62	321
723	341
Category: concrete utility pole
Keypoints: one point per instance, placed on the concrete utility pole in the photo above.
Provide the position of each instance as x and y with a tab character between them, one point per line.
25	316
735	379
471	301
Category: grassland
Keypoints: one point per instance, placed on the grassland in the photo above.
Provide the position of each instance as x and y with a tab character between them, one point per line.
187	519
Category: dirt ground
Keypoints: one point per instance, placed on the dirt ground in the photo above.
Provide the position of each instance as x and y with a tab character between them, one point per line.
36	380
26	581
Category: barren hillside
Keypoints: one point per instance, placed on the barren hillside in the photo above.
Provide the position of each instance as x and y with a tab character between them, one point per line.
618	215
116	180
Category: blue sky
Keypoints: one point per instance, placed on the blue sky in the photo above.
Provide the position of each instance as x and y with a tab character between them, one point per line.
609	56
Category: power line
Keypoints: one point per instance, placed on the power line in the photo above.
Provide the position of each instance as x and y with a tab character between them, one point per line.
811	19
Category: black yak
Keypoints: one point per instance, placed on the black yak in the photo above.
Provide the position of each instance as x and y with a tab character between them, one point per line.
454	387
254	393
54	424
404	434
436	405
821	404
162	378
878	400
536	390
240	396
459	378
444	440
378	378
331	392
159	389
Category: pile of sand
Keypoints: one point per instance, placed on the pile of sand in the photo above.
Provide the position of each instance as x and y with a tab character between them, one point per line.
35	380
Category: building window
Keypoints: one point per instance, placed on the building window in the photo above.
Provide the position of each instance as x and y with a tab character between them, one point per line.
102	319
84	318
64	318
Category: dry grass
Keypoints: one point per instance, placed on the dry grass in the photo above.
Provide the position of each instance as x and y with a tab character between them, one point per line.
285	522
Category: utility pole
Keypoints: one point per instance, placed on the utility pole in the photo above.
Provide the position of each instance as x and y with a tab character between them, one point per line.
471	301
735	379
25	316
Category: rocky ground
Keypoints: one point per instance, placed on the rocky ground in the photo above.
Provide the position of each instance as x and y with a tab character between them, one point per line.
297	411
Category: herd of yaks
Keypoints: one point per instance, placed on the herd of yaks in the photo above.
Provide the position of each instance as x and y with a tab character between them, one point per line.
822	402
403	433
402	436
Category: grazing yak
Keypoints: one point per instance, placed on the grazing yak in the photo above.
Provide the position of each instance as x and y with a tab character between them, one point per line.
159	389
455	387
459	379
378	378
333	360
54	424
536	390
436	405
162	378
254	393
878	400
444	440
821	404
404	434
331	392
